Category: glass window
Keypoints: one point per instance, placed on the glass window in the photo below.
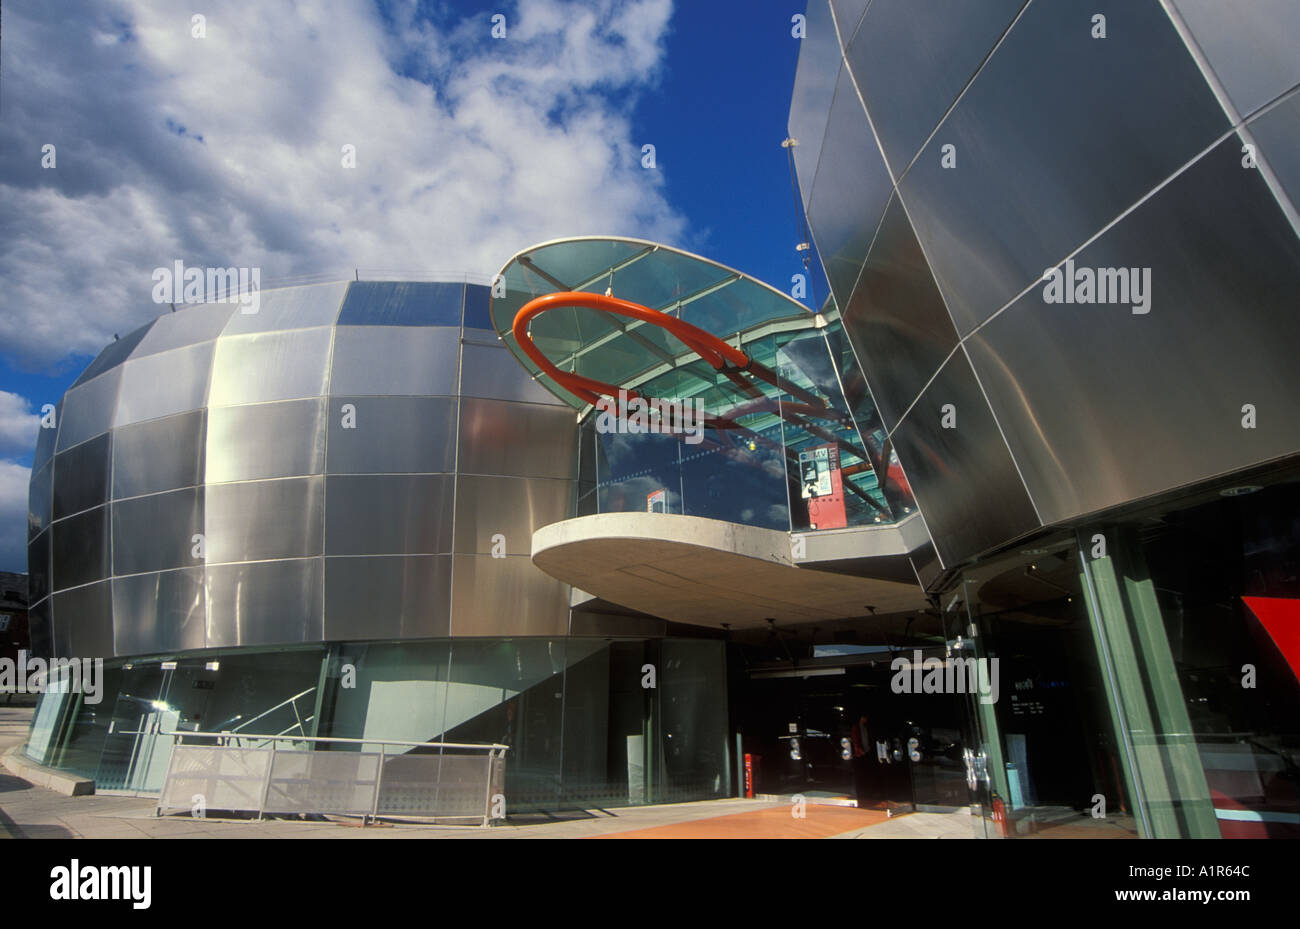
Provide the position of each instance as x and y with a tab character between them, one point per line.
1227	593
389	303
477	302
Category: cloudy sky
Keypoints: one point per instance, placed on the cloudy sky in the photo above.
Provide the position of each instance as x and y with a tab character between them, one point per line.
226	149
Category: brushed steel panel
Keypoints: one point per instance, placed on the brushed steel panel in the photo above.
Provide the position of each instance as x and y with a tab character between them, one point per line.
402	303
268	603
1251	47
81	477
264	519
1277	133
1101	406
46	436
270	366
896	321
850	192
189	325
517	439
157	532
39	500
38	566
388	514
159	455
168	382
40	629
396	360
113	354
290	308
375	598
848	13
79	549
506	596
913	57
510	506
159	612
265	440
84	622
1036	137
88	410
814	87
964	479
392	435
494	374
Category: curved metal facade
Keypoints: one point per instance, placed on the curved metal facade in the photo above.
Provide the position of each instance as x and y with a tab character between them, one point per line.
948	157
342	464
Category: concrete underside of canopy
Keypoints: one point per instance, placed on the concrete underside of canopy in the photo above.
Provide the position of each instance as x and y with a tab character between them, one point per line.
708	572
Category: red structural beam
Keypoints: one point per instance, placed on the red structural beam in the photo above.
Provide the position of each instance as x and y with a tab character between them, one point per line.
705	344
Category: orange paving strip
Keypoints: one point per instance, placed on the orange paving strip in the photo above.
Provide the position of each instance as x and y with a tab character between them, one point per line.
772	823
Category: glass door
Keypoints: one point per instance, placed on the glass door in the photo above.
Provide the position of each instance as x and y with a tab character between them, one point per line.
981	751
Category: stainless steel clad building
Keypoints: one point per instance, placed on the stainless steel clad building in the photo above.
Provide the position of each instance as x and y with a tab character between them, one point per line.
233	506
1063	238
1042	426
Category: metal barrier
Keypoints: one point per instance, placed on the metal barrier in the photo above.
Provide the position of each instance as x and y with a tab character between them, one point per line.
458	781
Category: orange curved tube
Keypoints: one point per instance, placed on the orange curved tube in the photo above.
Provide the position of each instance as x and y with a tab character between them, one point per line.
705	344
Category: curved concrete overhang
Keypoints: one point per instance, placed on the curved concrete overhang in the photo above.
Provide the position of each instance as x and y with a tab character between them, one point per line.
709	572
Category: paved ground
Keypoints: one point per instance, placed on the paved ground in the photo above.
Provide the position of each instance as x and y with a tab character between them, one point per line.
33	812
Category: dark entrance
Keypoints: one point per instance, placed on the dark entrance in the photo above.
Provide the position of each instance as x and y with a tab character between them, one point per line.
797	718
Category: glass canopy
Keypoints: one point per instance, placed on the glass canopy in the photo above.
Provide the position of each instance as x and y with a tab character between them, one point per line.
793	421
618	350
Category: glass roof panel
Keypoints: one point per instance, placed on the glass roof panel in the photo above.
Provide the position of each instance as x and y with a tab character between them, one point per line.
615	349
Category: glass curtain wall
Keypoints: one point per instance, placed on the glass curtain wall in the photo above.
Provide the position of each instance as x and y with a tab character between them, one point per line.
1199	608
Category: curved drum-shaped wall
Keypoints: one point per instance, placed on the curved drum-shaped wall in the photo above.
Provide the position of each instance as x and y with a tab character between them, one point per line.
948	155
341	465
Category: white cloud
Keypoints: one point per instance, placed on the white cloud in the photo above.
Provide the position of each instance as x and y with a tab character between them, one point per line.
13	516
468	148
18	425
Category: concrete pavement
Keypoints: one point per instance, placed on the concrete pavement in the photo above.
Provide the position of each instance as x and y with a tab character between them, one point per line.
27	811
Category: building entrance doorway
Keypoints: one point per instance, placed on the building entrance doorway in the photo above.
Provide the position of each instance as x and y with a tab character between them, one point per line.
833	728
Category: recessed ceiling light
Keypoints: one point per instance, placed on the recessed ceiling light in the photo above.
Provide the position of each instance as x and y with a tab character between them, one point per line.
1240	491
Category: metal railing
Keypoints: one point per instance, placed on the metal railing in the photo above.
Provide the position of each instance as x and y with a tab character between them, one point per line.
458	781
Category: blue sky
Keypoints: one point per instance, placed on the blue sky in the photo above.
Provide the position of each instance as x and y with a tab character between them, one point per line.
223	149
